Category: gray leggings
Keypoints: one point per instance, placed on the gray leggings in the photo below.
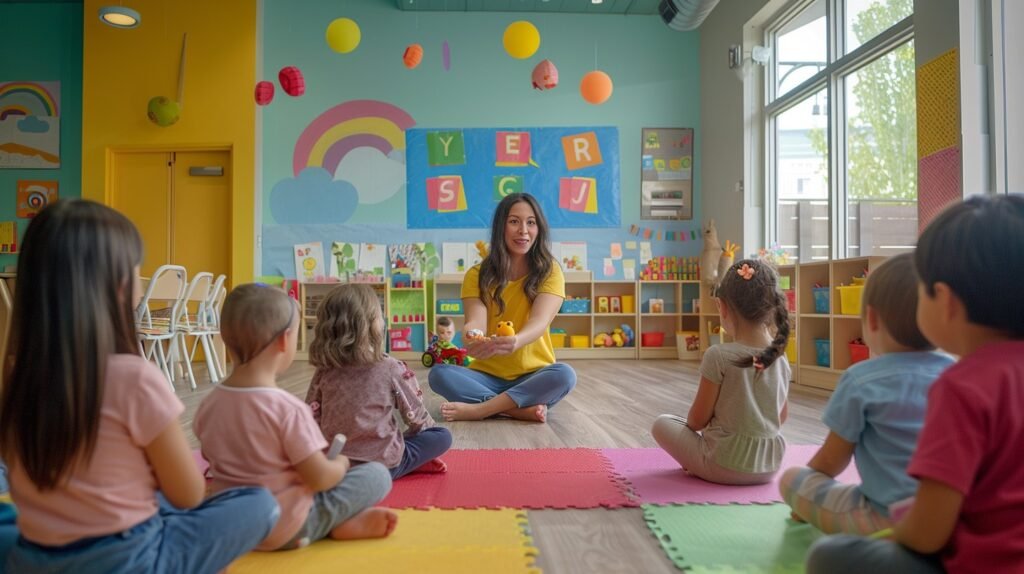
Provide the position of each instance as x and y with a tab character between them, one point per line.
846	554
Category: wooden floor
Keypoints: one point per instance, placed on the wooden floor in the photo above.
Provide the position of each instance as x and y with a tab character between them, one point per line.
613	406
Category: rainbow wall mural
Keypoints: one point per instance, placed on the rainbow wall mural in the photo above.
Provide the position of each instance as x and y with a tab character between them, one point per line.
30	125
350	154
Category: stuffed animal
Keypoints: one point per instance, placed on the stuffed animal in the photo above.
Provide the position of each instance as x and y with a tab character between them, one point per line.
728	258
505	329
711	254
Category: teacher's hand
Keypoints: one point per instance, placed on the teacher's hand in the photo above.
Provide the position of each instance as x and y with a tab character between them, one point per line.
486	347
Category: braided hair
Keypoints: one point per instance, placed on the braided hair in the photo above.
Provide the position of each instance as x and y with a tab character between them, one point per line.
751	290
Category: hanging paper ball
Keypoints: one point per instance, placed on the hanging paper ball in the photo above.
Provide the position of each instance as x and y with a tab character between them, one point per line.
413	56
291	81
596	87
545	76
521	39
163	111
343	35
264	93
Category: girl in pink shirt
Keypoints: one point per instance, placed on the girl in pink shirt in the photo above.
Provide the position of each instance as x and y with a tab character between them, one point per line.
100	469
357	388
254	432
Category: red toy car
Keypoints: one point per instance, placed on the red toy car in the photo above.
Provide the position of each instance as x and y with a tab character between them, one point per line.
450	355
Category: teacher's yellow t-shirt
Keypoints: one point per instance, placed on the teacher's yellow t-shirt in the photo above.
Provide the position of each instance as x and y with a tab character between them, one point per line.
529	358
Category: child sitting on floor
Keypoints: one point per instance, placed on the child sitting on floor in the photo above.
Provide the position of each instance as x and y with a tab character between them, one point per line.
966	515
357	388
741	402
254	432
876	413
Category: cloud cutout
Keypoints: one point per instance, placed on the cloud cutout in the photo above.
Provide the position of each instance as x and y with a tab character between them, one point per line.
312	198
377	177
33	125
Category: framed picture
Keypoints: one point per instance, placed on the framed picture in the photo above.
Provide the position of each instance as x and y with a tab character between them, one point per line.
666	173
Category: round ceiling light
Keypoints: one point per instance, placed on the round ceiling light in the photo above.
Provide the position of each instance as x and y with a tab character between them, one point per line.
120	17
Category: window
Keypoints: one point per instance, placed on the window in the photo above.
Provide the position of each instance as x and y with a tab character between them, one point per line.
840	126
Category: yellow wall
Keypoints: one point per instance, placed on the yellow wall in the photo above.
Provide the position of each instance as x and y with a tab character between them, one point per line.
123	69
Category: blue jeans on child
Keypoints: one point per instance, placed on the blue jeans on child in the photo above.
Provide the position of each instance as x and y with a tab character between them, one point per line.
421	448
847	554
362	487
544	386
203	539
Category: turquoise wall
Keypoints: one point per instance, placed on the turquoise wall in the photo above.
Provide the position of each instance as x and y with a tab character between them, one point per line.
655	71
43	42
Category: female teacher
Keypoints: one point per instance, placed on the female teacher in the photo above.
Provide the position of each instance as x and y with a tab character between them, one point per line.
518	281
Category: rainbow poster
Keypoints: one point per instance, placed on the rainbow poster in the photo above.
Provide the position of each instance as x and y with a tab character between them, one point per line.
30	125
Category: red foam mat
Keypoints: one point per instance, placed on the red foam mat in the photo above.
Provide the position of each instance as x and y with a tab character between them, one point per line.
506	478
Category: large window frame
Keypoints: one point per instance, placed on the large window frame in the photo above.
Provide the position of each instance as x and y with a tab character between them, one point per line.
832	78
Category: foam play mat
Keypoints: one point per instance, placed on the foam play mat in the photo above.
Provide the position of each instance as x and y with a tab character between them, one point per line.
656	478
504	478
705	538
448	541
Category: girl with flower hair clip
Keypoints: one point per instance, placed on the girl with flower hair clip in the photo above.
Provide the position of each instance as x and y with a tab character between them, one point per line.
732	434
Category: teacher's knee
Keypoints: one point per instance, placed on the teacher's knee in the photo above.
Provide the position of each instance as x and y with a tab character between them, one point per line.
439	379
565	374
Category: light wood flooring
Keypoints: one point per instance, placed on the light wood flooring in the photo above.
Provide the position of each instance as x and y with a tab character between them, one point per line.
613	406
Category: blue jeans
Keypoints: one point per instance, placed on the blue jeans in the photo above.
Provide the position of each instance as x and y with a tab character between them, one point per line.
422	447
846	554
544	386
203	539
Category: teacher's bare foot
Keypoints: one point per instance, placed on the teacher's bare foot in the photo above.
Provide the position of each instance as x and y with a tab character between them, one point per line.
454	411
534	413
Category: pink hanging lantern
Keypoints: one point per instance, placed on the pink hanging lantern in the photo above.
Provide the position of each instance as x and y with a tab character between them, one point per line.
292	81
545	75
264	93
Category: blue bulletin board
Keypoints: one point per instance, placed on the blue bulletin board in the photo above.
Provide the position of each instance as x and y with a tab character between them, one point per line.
456	177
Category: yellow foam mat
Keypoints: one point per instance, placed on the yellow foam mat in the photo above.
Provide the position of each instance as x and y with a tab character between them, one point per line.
938	104
449	541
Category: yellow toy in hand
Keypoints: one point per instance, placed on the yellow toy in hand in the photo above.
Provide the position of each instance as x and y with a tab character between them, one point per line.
505	329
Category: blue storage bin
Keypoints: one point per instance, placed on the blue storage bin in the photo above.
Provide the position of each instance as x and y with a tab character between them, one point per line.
822	347
575	306
822	300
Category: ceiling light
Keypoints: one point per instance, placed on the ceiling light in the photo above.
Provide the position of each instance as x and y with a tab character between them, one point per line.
120	17
596	1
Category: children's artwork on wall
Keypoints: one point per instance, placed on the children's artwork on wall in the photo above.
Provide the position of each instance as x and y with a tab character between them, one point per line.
629	269
34	195
666	176
419	258
454	257
455	178
571	254
8	237
30	125
309	261
372	261
344	258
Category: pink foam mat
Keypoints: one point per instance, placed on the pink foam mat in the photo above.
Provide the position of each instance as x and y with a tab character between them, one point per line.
497	478
656	478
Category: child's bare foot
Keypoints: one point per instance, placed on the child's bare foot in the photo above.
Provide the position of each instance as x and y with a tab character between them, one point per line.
451	411
435	466
373	522
796	517
535	413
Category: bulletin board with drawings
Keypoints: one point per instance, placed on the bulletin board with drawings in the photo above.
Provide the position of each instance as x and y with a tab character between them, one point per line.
666	175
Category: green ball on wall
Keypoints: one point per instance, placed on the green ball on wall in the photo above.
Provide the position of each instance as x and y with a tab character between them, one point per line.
163	111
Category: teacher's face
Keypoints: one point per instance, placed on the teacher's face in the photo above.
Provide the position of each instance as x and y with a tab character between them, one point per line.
520	229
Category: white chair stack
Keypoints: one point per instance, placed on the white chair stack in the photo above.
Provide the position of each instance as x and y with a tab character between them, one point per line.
156	317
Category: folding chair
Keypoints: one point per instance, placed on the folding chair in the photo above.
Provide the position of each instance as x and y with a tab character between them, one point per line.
156	316
190	324
206	327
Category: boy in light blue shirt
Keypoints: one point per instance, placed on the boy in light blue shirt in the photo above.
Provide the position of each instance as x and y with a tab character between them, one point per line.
874	416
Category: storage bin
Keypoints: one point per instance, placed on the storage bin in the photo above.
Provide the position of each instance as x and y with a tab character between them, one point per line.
558	340
822	347
652	339
849	299
580	341
575	306
784	282
688	345
790	300
821	300
858	353
628	304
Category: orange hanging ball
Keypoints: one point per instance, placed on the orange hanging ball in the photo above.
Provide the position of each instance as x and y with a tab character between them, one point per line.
596	87
413	56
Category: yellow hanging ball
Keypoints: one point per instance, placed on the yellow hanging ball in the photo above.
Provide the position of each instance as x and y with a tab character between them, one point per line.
521	39
343	35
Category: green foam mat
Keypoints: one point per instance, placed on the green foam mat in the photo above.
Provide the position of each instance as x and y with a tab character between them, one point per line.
704	538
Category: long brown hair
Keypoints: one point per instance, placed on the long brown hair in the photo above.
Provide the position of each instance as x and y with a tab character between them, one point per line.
346	332
73	308
497	266
753	294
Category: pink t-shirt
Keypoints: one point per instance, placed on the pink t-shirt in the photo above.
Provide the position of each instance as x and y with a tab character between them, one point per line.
117	490
256	437
971	442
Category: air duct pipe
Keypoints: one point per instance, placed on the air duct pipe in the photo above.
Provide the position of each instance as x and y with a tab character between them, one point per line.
685	15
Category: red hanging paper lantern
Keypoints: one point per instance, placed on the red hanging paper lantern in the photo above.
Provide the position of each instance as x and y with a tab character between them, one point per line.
292	81
545	76
413	56
264	93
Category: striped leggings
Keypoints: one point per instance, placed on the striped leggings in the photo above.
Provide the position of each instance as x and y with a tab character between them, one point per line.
832	507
